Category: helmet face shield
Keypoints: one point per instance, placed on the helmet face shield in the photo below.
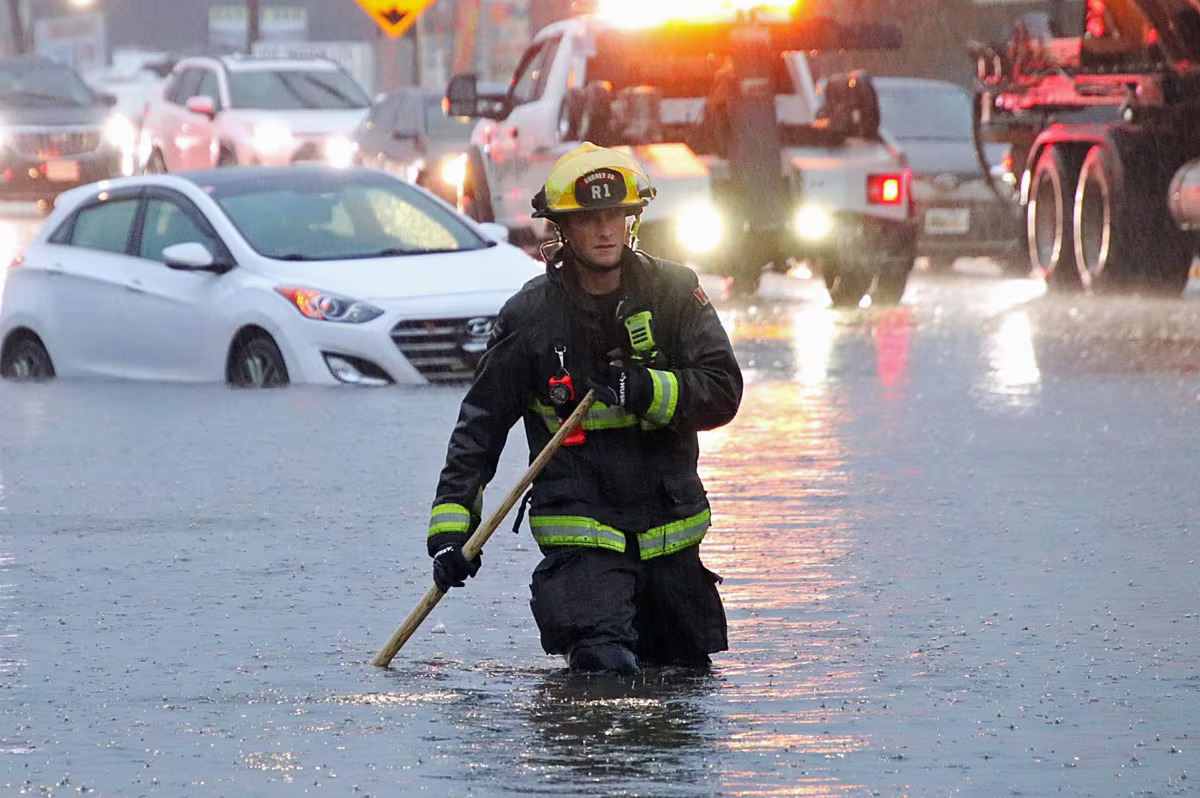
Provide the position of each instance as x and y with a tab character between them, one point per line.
593	178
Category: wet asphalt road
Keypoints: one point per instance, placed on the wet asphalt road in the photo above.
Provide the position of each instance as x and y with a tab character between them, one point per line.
958	540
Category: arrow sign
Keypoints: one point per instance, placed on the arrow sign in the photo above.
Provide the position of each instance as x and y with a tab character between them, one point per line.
394	17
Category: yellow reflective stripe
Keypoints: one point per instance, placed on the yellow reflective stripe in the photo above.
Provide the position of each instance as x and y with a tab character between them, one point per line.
449	518
575	530
600	416
666	397
674	536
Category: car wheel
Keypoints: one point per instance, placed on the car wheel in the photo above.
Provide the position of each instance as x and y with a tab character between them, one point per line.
476	197
25	359
256	362
155	165
226	158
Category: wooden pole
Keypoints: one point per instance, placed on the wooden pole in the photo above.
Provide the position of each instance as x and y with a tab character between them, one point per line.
475	543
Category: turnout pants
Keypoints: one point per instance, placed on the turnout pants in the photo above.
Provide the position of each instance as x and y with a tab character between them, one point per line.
666	610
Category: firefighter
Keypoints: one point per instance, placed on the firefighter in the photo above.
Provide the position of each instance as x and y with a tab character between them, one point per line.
619	511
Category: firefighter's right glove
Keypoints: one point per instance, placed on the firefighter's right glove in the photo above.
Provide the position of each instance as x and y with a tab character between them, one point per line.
450	567
618	385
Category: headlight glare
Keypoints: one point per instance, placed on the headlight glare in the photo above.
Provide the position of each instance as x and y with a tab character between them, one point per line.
813	223
340	151
324	306
120	133
700	228
454	170
271	136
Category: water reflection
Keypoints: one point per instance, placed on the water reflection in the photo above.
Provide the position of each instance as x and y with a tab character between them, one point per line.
1012	378
617	734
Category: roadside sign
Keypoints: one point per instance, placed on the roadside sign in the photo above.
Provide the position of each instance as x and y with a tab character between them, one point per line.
394	16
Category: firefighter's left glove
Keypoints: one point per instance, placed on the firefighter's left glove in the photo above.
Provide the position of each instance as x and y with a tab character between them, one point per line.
450	567
630	387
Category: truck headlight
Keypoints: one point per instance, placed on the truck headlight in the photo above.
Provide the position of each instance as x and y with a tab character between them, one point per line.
813	223
454	170
340	151
700	228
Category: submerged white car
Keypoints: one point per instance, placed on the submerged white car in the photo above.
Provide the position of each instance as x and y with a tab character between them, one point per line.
257	277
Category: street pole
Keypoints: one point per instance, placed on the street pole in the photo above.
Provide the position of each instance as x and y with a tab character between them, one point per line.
16	25
252	30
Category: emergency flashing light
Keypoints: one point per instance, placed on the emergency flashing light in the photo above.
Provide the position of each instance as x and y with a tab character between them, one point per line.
1096	24
639	13
884	189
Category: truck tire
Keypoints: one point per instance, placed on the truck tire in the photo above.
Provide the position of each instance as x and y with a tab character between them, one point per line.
846	288
1049	218
889	286
476	197
1122	240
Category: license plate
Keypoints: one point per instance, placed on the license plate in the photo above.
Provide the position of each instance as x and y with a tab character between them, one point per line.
62	171
944	221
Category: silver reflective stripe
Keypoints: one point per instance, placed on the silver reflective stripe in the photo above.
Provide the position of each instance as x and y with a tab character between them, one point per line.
674	536
666	396
449	518
574	530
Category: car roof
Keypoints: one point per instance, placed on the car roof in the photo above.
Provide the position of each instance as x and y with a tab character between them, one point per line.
242	63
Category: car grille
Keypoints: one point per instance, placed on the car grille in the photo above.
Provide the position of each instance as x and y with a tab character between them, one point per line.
42	144
444	350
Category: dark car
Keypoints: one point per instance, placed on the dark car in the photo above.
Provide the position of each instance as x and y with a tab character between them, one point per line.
961	214
408	134
57	133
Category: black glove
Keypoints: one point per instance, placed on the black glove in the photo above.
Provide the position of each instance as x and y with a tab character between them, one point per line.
450	567
630	387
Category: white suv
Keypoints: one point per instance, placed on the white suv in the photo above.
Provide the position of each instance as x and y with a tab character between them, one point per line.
230	110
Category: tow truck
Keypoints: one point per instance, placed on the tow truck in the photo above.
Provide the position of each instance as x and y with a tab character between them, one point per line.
756	168
1104	141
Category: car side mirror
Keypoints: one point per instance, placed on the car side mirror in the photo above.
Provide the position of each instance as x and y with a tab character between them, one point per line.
189	256
462	96
202	104
494	232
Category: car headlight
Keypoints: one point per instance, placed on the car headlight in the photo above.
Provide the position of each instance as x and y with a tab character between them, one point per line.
340	151
813	223
120	133
454	170
271	136
700	228
324	306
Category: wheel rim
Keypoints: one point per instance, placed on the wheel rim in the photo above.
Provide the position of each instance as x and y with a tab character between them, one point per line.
1045	215
29	363
260	367
1094	227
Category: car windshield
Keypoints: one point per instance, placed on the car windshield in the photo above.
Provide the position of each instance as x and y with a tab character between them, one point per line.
340	216
43	86
445	128
282	90
920	112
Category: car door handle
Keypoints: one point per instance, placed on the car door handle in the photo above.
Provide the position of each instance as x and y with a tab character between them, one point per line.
135	286
55	268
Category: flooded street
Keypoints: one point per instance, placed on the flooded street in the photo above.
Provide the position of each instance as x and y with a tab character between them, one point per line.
958	540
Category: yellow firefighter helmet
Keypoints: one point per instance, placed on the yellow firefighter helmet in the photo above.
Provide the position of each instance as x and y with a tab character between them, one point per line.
591	178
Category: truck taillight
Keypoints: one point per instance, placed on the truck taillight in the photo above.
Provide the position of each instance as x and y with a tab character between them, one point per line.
1096	25
885	189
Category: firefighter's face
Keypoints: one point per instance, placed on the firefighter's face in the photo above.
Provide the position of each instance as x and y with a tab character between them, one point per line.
597	237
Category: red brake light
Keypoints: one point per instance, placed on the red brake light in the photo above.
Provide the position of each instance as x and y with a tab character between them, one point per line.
885	189
1096	25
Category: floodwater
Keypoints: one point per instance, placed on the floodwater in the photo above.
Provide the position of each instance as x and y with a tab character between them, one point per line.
958	541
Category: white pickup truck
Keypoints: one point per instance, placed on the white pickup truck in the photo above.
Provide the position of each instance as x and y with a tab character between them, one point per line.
754	167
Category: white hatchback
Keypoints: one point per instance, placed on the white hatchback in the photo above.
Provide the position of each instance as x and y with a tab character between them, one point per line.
257	277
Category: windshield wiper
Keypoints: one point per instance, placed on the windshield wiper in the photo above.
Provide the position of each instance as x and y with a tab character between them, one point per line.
56	99
395	251
293	256
333	91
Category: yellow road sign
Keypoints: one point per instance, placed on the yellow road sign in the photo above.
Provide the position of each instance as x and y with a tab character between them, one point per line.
394	16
